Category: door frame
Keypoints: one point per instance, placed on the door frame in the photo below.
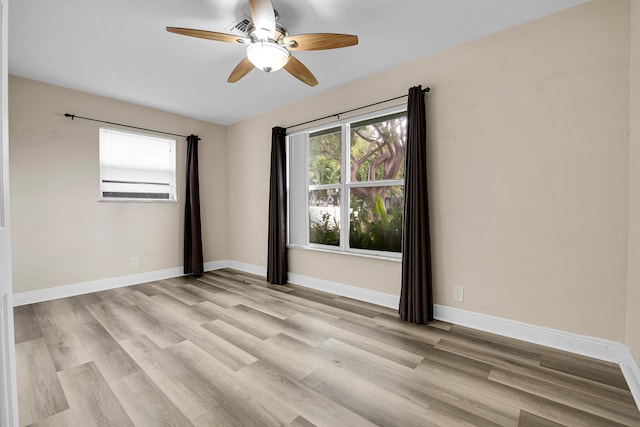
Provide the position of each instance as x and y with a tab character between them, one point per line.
8	384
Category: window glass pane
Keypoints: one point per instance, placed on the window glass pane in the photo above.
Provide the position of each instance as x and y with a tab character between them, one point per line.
324	216
376	218
136	167
325	154
377	148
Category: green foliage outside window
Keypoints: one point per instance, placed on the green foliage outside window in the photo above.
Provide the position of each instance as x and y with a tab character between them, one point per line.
375	229
325	152
376	153
325	230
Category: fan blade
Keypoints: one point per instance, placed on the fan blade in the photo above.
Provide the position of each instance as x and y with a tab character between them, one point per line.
210	35
264	18
241	70
300	72
319	41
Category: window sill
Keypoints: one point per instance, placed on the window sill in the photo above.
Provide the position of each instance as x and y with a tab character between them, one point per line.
136	201
376	256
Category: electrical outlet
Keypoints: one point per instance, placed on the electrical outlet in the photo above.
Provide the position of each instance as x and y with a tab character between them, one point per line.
458	293
134	262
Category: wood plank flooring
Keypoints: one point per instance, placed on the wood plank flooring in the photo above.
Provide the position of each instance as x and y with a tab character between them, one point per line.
227	349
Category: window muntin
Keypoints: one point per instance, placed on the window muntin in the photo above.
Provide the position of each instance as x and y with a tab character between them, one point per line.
136	167
360	165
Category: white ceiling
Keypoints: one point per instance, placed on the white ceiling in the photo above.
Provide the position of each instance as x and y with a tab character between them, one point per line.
120	49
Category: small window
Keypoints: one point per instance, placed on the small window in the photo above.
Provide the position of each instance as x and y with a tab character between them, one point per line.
136	167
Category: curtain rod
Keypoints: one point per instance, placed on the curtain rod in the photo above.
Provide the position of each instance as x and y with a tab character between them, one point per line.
73	116
425	90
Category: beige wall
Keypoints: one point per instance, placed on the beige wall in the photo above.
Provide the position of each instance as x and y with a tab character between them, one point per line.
632	332
61	233
528	172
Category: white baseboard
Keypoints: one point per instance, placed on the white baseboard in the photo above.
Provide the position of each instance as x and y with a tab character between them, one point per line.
596	348
631	373
30	297
258	270
374	297
216	265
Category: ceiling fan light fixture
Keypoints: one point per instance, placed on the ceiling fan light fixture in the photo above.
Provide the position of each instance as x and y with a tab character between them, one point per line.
268	55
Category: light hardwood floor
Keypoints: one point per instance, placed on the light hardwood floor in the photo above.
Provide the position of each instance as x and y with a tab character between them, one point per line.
228	349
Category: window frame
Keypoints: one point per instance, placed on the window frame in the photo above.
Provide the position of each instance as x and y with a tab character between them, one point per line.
345	186
173	184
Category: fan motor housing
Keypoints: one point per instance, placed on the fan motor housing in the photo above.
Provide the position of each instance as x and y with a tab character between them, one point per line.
281	32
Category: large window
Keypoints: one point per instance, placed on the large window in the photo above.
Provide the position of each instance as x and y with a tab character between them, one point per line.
346	184
136	167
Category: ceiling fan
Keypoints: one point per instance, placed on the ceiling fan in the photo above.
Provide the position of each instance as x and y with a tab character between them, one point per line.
269	46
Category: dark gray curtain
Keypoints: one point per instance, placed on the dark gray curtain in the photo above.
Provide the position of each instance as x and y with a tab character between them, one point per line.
416	302
277	252
193	262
